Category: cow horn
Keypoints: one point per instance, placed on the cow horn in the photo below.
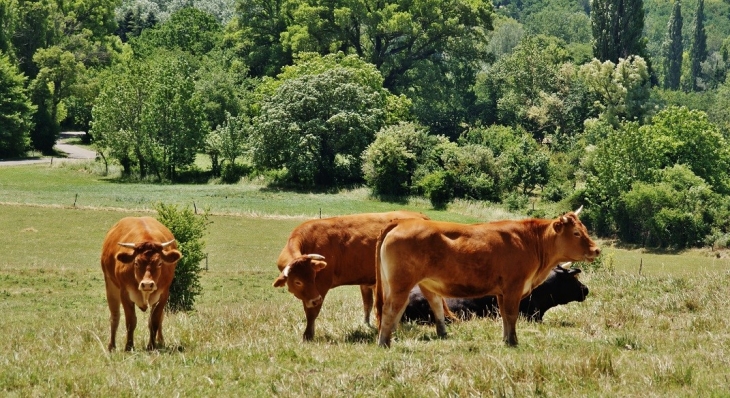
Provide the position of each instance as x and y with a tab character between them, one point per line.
164	245
314	256
129	245
565	265
578	211
285	271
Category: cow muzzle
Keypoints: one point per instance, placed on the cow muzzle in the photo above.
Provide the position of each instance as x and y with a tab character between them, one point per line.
147	286
313	302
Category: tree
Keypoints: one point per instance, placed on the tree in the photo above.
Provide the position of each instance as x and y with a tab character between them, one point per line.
673	49
617	27
259	25
316	126
150	116
698	51
16	111
534	88
228	141
390	162
188	29
620	91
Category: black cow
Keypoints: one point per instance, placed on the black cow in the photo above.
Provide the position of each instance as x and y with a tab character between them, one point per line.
561	287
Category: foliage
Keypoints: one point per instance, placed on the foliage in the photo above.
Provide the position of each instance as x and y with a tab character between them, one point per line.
673	49
671	212
633	154
466	171
15	111
620	91
617	27
188	229
389	163
530	86
188	29
228	142
150	116
311	120
698	50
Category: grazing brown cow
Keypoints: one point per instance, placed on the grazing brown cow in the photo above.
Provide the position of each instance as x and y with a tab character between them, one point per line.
325	253
138	258
506	259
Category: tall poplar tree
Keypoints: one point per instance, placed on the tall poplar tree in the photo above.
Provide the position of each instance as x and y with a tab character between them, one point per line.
617	27
673	49
698	52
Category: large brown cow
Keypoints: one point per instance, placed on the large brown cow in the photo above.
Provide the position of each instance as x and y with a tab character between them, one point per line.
506	259
325	253
138	258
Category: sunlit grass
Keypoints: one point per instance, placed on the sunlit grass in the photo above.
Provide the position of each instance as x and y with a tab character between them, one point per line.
654	324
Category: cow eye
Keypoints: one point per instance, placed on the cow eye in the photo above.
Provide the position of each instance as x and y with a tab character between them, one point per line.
298	283
576	234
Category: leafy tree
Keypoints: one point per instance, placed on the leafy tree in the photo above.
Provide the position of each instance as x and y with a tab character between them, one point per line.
35	28
698	50
228	141
674	211
390	162
58	70
673	48
620	91
507	35
316	126
534	88
15	111
7	25
617	27
222	83
150	116
259	25
633	153
188	29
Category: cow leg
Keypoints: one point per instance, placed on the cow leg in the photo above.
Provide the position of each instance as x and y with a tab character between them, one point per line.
437	307
130	318
155	324
394	304
112	299
509	306
367	301
312	313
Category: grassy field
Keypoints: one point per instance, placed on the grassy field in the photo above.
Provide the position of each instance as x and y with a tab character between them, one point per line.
654	324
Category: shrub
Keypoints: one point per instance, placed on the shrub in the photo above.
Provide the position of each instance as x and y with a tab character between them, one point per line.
438	187
188	229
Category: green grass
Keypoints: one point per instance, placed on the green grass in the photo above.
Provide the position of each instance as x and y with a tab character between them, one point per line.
662	332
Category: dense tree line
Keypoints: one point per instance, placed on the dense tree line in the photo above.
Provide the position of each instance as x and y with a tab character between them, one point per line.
616	104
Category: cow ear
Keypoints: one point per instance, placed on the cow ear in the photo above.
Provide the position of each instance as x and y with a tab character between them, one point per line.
318	265
171	256
124	257
280	281
559	224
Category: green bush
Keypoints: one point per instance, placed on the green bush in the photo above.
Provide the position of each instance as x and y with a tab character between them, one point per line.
438	187
188	229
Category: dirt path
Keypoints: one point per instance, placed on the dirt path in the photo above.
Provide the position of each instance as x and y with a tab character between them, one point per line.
73	153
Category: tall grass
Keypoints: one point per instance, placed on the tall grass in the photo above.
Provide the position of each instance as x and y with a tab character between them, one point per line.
662	332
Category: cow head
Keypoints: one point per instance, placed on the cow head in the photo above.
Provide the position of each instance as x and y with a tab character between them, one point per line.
148	259
573	242
563	286
299	276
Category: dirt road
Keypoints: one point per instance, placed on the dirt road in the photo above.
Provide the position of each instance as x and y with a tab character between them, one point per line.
73	153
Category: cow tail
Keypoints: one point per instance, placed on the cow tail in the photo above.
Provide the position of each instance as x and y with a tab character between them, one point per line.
378	283
447	312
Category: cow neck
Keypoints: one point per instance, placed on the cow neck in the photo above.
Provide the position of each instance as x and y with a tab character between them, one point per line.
544	240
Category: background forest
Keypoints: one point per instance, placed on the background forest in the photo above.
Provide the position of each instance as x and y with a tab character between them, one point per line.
618	105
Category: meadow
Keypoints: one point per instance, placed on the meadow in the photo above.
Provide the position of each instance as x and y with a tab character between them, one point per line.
654	324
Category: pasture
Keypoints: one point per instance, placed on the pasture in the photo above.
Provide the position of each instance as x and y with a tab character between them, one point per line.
662	332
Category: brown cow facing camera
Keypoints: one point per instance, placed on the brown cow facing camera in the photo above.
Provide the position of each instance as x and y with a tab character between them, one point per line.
507	259
325	253
138	258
